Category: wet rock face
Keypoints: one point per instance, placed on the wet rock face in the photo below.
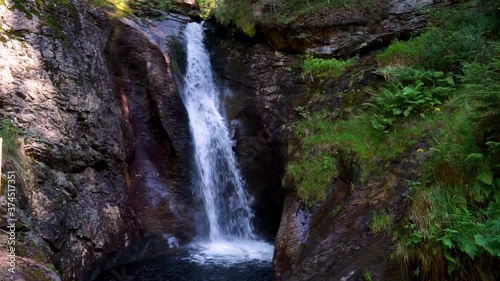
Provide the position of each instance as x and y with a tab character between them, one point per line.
347	32
55	87
156	125
333	241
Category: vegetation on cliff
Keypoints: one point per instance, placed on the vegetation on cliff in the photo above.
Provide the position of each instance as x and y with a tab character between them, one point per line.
442	91
245	15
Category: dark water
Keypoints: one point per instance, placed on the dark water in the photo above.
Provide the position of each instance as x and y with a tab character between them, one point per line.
181	267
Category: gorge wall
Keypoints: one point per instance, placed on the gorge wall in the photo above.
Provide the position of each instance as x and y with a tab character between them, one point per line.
103	137
330	240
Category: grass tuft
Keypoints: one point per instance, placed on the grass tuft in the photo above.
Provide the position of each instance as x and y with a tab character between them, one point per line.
321	68
381	223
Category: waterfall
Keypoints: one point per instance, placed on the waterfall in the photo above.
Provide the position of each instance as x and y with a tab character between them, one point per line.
218	179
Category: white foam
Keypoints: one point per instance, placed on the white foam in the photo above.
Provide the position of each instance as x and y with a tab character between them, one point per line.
231	252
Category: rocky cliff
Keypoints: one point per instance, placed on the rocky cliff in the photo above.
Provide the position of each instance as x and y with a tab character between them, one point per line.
103	137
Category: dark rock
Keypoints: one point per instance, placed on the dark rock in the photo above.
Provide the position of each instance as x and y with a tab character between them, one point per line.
158	153
346	32
56	88
185	3
258	89
333	241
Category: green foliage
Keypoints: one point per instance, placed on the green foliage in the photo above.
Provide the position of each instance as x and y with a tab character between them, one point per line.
245	14
313	175
463	36
321	68
442	87
240	13
368	275
286	12
9	134
454	225
119	7
453	233
483	88
410	91
323	140
381	223
206	7
141	7
11	157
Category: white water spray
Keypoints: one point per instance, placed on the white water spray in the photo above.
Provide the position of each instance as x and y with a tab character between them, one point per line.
219	181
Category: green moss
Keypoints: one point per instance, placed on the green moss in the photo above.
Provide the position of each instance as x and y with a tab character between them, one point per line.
206	7
20	5
33	273
119	8
53	267
313	175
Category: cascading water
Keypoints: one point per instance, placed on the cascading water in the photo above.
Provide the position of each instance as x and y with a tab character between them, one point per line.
232	251
227	204
218	180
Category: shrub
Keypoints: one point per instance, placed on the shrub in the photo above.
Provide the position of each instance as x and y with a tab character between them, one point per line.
410	91
454	223
240	13
462	37
321	68
483	88
206	7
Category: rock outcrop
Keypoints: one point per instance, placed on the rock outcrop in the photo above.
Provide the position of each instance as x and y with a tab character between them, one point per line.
333	240
346	31
156	126
57	90
104	137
